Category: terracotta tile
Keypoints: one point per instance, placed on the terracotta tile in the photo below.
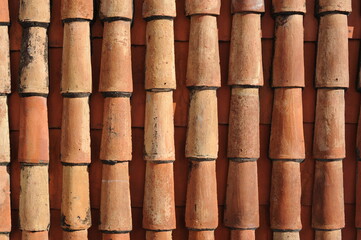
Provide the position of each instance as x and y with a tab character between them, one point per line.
94	232
5	208
14	65
354	19
55	169
76	64
116	9
267	21
14	171
77	9
96	27
114	236
286	235
243	234
306	215
241	208
180	166
329	135
350	164
35	11
202	136
5	70
44	235
154	8
55	101
307	168
243	136
75	215
159	204
349	232
288	6
34	206
288	61
224	21
4	12
115	210
201	206
138	97
75	137
4	236
352	97
201	235
224	92
248	6
266	93
323	235
137	168
15	28
181	23
75	235
203	7
285	208
203	67
96	101
264	231
34	132
222	165
328	199
309	92
159	60
95	169
138	231
181	232
159	129
264	166
245	66
181	94
310	22
116	130
96	52
56	26
325	6
116	58
4	134
166	235
287	137
332	55
138	29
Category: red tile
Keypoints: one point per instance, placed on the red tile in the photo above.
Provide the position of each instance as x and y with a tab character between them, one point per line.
138	232
180	166
264	232
224	21
352	96
266	93
15	28
264	166
56	26
307	167
138	97
224	93
181	94
55	169
307	231
310	22
222	164
349	232
138	29
267	21
95	169
350	164
181	23
354	19
137	168
14	170
309	92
